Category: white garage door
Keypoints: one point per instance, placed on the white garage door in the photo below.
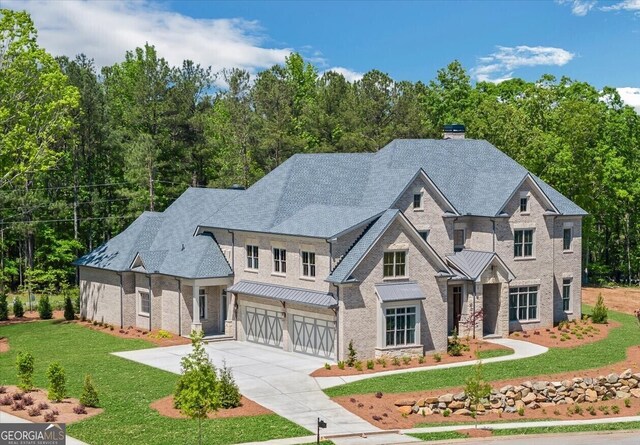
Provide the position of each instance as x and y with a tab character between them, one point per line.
263	326
313	336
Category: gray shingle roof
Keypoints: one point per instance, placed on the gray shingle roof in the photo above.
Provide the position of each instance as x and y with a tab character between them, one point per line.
284	293
344	269
321	195
165	242
472	263
405	291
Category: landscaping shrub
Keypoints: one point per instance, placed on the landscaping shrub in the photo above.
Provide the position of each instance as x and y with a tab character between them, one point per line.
79	409
437	357
521	411
327	366
395	361
25	364
27	399
600	311
615	409
454	345
43	406
49	416
627	403
340	364
44	308
352	355
34	411
18	405
406	360
57	382
6	400
3	389
4	308
370	364
69	313
358	365
89	396
421	359
476	389
18	395
229	392
446	412
18	308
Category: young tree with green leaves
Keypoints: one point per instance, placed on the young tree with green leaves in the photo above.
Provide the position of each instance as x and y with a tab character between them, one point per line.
57	382
197	393
25	363
476	388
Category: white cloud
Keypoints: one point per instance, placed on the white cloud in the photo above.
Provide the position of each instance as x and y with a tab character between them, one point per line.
626	5
349	75
630	96
500	65
579	7
105	30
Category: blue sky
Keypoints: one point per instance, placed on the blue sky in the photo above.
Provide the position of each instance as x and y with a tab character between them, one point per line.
591	40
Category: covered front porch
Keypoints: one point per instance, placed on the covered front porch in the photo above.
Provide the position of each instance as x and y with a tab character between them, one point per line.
209	307
478	295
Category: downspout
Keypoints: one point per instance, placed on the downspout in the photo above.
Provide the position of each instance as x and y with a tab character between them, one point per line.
493	222
233	250
179	306
338	323
553	260
474	308
121	302
150	302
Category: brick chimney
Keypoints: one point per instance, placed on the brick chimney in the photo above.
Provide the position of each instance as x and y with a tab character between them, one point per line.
453	131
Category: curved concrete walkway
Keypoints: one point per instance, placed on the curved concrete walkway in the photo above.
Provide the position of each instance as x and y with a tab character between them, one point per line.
521	349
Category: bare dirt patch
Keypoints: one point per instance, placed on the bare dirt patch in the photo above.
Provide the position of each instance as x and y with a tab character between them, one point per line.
428	360
383	413
156	337
567	334
39	396
248	408
622	299
4	344
476	432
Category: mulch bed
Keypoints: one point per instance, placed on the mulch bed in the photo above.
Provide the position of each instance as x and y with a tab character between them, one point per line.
136	333
30	316
567	335
65	408
368	405
429	360
248	408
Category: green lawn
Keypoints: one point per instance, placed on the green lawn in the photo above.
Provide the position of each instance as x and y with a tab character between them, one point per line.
495	353
604	352
126	388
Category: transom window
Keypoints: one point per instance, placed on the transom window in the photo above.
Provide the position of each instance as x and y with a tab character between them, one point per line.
308	264
145	303
523	303
395	264
279	260
400	326
458	240
567	238
417	200
524	204
523	243
252	257
566	294
202	299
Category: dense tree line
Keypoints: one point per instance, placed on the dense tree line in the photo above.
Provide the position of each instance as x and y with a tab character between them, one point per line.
84	151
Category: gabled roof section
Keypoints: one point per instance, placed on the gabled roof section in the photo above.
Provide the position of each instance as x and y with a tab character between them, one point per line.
422	174
473	263
164	242
528	178
351	260
564	205
284	293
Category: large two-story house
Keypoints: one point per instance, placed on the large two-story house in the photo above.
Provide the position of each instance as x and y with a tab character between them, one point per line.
391	250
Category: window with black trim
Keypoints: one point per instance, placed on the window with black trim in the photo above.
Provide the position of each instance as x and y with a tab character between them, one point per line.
523	243
424	234
400	326
202	299
523	303
567	238
395	264
524	204
252	257
279	260
566	294
417	200
308	264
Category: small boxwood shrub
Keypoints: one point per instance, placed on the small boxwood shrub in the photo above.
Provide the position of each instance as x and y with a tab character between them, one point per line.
69	313
89	396
18	308
4	308
44	308
57	382
25	365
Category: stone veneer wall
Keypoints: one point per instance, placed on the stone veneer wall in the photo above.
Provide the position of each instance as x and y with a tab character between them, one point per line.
532	395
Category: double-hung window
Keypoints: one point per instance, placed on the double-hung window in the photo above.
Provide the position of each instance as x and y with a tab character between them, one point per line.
567	238
308	264
145	303
400	326
523	243
523	303
279	260
395	264
524	204
566	294
252	257
202	300
417	201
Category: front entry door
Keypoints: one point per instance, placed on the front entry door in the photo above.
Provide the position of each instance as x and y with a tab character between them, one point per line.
457	307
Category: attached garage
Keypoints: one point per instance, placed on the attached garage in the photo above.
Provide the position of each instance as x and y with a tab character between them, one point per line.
296	320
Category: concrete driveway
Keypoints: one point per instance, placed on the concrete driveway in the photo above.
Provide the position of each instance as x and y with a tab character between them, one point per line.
275	379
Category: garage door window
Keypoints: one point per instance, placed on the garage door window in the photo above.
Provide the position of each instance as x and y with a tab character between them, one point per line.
400	326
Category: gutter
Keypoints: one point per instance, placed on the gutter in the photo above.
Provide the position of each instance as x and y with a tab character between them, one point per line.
121	302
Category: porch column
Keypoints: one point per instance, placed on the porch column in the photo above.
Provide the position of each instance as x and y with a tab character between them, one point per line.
196	324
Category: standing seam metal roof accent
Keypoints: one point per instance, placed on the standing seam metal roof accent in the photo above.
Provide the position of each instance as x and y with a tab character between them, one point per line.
404	291
284	293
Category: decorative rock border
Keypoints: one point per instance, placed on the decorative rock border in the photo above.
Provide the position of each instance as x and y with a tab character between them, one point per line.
530	395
